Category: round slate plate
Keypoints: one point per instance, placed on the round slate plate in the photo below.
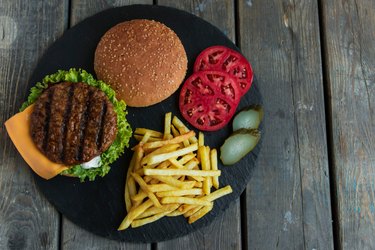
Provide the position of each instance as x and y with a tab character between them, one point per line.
99	206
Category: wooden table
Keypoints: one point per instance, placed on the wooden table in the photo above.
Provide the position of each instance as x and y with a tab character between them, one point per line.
314	186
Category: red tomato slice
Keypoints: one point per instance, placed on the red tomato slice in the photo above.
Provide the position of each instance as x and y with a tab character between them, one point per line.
208	99
221	58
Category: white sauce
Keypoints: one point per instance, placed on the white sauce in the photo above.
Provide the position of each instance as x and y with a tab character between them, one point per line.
94	163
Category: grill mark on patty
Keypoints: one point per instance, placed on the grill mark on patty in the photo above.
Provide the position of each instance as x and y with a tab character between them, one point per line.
67	113
47	119
83	126
55	137
93	128
99	137
73	122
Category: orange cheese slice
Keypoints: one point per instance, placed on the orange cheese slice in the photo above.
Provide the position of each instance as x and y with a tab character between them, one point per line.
18	127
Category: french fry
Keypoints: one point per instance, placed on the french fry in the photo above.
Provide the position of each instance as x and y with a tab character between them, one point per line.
186	158
182	128
186	143
144	187
167	126
178	123
208	160
181	192
153	133
184	200
141	222
128	202
155	210
136	203
178	139
176	163
192	209
150	139
139	197
147	179
174	182
192	164
146	137
174	213
188	172
204	210
161	187
170	174
130	188
198	178
218	193
130	169
138	156
163	157
151	211
198	184
213	156
200	139
154	181
212	196
163	165
162	150
175	132
134	213
202	152
186	207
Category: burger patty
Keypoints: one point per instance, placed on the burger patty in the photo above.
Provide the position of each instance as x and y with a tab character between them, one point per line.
73	122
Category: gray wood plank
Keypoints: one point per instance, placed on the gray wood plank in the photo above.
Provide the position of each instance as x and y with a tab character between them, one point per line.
225	231
288	198
73	237
27	220
350	51
80	9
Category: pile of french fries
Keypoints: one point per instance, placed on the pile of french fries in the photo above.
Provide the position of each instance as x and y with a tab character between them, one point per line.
170	174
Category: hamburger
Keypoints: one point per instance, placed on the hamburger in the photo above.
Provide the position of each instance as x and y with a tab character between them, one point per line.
143	60
71	124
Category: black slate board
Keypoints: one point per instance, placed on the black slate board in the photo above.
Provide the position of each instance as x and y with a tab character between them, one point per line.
99	206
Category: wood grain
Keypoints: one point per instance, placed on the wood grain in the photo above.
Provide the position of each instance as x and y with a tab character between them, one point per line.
349	41
70	232
27	220
225	231
85	8
288	198
74	237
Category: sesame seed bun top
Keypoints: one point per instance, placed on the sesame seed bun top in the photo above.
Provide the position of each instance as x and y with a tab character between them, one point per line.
143	60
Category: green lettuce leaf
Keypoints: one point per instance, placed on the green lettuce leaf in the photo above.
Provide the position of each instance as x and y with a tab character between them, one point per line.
124	131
